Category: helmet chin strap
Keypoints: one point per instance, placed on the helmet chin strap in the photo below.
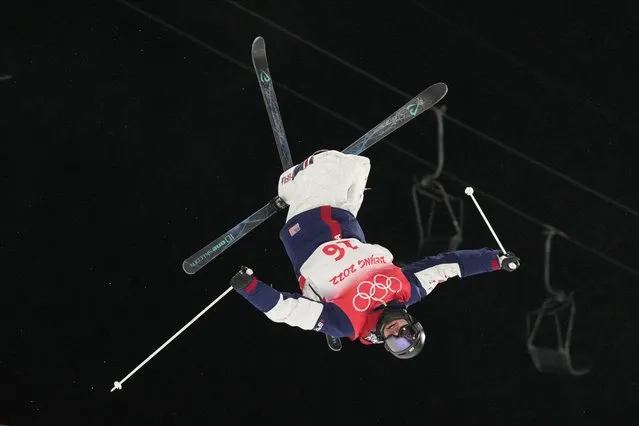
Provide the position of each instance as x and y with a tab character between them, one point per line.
380	300
381	331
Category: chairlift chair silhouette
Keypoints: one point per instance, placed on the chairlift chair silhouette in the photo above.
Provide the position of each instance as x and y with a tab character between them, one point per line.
553	359
430	187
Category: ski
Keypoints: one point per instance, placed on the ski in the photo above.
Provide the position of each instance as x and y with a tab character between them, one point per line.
427	99
260	64
335	343
209	252
413	108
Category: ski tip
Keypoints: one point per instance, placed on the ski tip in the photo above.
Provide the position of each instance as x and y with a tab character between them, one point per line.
334	343
258	49
187	268
258	42
440	87
434	93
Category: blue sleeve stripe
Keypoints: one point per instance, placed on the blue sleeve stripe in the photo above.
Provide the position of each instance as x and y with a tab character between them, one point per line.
425	274
473	262
261	295
297	310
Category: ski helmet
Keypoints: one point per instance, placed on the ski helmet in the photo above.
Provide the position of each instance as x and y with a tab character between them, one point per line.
410	338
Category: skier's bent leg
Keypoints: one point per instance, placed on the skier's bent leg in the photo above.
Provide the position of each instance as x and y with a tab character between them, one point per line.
328	178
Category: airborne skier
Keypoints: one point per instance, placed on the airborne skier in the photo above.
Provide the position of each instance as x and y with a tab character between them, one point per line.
351	288
344	280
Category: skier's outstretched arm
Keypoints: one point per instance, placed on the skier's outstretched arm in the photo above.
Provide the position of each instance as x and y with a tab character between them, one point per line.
291	308
425	274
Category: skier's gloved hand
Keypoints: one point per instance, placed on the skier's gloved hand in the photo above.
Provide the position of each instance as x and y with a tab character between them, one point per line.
509	262
242	278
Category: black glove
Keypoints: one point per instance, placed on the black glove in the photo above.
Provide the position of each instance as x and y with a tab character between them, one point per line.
509	262
242	279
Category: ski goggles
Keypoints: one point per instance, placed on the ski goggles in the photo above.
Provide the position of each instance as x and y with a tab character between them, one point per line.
405	338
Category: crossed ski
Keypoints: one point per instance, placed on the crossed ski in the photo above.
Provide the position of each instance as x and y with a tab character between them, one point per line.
416	106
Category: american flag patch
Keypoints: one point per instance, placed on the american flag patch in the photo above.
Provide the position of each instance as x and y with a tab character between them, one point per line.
294	229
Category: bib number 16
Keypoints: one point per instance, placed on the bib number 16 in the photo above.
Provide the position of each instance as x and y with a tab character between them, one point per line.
337	249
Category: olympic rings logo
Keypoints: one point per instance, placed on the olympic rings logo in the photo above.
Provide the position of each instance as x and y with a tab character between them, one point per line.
377	290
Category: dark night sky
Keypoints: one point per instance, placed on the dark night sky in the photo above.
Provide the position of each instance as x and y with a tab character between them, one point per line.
127	146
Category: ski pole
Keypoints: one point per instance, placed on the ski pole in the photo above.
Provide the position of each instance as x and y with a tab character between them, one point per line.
118	385
469	191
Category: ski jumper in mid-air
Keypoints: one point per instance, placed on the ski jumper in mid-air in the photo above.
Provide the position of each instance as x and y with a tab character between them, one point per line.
351	288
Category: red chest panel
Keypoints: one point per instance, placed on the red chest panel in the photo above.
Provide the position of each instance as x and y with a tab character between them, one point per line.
373	290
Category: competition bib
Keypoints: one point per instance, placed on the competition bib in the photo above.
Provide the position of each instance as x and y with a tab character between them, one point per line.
337	265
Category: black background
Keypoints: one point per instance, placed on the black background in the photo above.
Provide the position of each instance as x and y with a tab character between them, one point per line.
127	146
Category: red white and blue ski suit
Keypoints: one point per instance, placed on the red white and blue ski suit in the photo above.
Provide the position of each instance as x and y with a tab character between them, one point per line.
344	280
